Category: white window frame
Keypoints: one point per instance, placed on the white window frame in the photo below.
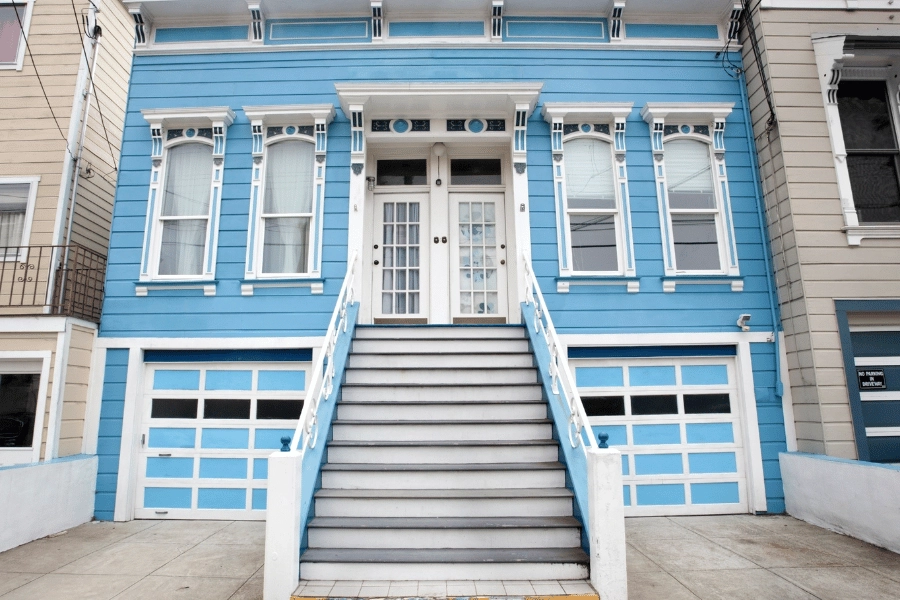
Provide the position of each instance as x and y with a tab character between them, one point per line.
830	61
161	122
35	362
318	116
29	214
26	24
614	115
690	115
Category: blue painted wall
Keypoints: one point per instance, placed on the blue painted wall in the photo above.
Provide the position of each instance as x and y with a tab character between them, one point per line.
109	440
594	75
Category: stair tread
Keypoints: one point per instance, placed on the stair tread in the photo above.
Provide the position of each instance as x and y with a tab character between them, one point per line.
559	492
442	422
440	368
534	466
343	402
441	443
444	522
444	555
440	385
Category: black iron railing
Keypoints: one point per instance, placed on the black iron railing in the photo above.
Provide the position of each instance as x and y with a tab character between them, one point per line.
59	280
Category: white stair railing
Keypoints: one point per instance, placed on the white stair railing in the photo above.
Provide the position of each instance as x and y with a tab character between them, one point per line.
322	381
561	381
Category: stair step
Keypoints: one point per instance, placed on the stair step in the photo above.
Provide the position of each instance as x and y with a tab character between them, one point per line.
442	360
527	429
424	533
442	476
439	332
444	564
440	346
444	411
523	502
440	393
442	452
461	377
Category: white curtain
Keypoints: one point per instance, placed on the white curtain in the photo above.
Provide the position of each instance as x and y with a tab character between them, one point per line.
13	202
289	178
589	174
689	174
187	194
288	191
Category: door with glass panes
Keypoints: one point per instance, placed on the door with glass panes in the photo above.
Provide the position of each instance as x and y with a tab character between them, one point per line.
463	279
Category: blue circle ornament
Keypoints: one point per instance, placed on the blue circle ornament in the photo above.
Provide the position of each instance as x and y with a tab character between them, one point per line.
476	125
685	129
290	130
586	128
401	126
190	132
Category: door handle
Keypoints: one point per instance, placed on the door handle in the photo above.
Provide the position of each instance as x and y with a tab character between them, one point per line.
502	261
502	246
376	262
376	246
444	239
437	240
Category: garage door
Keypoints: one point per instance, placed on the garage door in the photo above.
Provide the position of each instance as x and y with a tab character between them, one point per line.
677	424
206	433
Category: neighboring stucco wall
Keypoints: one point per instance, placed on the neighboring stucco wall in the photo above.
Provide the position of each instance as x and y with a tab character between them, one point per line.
859	499
31	509
813	261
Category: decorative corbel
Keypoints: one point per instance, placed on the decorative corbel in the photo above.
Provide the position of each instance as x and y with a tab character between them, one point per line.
142	23
719	139
497	20
357	138
619	138
657	138
616	30
734	21
377	21
520	134
257	21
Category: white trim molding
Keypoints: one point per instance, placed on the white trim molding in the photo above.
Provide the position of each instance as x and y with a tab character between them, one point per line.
828	4
25	20
170	128
702	122
604	122
271	125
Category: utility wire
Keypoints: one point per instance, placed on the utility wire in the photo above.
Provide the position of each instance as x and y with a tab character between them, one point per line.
36	74
93	35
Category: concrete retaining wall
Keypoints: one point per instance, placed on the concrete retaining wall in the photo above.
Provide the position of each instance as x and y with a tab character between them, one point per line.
859	499
39	499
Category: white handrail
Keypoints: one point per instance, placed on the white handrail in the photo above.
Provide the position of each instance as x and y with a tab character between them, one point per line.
561	380
322	381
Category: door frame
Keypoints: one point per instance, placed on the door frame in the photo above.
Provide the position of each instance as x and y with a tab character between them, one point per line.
438	167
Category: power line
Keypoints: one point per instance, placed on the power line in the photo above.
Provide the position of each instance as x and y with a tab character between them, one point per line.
93	35
36	74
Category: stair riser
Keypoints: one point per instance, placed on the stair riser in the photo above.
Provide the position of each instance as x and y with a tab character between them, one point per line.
399	455
428	393
395	432
440	332
442	480
444	538
438	346
413	361
441	412
443	507
440	376
442	571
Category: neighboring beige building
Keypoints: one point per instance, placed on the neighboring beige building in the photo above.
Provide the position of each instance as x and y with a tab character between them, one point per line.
827	124
64	71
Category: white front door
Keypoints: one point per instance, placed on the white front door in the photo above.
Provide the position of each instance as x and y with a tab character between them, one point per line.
400	265
477	258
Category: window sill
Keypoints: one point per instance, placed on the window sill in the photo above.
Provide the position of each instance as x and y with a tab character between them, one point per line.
633	284
855	235
736	283
316	285
208	286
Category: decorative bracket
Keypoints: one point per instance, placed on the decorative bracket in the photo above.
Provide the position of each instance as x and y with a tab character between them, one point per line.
520	167
142	23
734	22
377	21
616	31
719	139
356	168
357	134
520	133
497	20
256	21
619	138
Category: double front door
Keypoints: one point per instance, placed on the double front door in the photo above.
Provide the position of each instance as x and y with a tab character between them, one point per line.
439	260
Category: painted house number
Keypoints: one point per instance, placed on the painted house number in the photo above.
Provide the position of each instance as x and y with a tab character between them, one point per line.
871	379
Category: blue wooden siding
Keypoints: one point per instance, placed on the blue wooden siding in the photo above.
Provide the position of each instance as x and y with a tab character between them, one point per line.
109	440
595	75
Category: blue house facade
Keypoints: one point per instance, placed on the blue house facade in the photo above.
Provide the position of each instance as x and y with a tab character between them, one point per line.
446	157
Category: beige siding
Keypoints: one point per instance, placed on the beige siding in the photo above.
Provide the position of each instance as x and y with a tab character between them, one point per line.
71	429
813	261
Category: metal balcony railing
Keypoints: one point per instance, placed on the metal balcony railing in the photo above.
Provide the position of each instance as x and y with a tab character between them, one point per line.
58	280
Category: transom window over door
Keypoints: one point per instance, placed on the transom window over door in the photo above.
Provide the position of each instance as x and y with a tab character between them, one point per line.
872	154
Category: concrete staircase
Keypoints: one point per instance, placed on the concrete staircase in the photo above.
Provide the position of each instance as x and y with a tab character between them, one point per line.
442	464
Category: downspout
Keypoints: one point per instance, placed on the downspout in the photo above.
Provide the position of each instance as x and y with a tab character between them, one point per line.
76	167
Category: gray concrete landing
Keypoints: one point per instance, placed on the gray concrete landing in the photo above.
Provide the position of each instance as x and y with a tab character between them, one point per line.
669	558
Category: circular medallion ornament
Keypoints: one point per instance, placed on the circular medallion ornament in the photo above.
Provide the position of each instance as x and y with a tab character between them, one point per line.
290	130
401	126
476	125
586	128
190	132
685	129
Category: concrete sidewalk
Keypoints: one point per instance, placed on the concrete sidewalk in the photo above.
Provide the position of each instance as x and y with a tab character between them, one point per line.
722	558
